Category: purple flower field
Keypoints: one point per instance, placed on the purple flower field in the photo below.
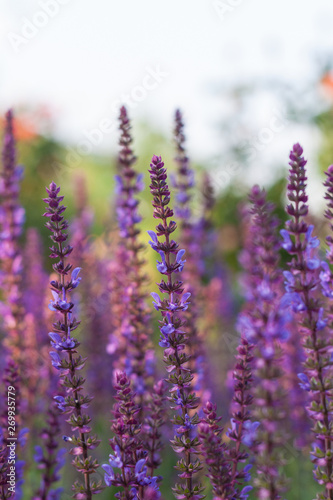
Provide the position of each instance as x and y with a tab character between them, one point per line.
123	381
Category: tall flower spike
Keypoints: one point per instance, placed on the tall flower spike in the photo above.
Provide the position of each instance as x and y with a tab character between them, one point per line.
11	220
264	322
173	338
301	283
139	362
222	460
65	358
325	275
152	429
241	424
215	453
129	455
138	358
204	229
184	183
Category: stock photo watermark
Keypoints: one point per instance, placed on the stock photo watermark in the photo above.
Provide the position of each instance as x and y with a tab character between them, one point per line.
153	77
11	439
223	9
32	25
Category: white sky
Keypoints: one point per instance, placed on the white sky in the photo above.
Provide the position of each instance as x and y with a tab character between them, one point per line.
90	53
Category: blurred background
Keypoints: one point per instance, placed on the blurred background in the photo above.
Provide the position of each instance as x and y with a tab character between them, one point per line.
252	77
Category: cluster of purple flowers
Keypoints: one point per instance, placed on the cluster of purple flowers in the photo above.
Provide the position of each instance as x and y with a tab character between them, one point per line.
65	357
138	356
192	274
281	365
173	338
303	286
264	322
129	455
12	217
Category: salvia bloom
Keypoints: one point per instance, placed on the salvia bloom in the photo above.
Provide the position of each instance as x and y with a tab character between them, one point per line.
129	455
264	322
12	217
192	274
204	230
134	349
302	283
242	427
285	342
184	181
156	416
173	338
215	453
64	357
325	274
139	360
221	465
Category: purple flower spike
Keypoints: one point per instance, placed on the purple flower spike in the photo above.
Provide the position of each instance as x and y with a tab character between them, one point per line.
306	269
190	228
134	317
174	339
185	175
74	403
241	416
326	274
264	323
215	453
133	331
11	225
129	455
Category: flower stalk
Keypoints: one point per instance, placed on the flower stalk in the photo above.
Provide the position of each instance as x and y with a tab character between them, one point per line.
264	322
65	357
129	455
173	338
302	282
